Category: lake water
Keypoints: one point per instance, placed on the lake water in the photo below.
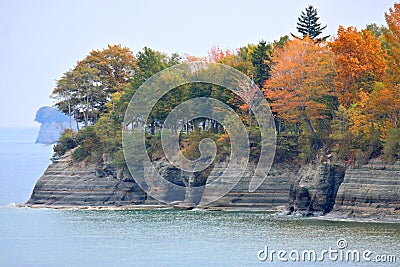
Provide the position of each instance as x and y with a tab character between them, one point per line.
45	237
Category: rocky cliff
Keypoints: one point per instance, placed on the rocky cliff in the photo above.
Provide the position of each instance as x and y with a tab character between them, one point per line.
319	188
272	194
52	124
314	190
371	190
67	183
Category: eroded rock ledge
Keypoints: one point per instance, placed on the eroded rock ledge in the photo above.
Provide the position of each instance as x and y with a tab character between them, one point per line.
67	183
371	190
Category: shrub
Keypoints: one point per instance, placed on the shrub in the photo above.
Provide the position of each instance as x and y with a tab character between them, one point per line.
391	148
88	145
67	141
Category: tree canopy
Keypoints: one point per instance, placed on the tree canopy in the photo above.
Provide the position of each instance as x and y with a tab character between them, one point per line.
340	96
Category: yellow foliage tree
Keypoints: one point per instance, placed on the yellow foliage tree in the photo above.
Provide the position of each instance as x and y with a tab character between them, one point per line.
360	62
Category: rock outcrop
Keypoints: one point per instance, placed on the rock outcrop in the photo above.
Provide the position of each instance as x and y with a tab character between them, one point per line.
273	192
67	183
371	190
52	124
314	191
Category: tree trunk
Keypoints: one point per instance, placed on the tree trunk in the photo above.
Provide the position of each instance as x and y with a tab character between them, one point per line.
152	128
279	125
310	127
70	115
250	122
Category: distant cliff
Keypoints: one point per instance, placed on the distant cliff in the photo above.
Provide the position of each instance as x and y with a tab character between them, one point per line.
53	124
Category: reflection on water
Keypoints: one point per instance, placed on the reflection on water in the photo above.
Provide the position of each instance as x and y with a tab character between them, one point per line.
176	238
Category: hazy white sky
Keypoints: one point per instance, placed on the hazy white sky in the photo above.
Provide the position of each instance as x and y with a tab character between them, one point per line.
40	40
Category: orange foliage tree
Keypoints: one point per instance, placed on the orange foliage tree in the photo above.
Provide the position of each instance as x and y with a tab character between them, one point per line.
216	54
393	38
385	106
359	60
387	99
302	76
384	102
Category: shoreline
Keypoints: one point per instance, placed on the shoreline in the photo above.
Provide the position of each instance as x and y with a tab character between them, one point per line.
332	216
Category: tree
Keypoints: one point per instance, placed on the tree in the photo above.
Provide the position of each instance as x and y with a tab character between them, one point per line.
384	104
308	24
393	38
116	66
83	91
148	63
281	42
216	54
302	76
378	31
80	92
391	148
261	57
360	62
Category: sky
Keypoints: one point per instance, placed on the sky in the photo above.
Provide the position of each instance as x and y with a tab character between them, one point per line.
40	40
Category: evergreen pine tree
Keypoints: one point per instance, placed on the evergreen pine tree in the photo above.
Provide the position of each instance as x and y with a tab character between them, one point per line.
261	61
308	24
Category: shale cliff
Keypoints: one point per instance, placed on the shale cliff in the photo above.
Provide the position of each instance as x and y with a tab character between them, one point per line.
371	190
67	183
312	189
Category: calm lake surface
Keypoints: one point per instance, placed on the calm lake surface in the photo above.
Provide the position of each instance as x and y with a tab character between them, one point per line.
45	237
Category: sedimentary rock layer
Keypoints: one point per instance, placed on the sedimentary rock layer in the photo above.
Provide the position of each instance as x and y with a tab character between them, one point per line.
66	183
370	190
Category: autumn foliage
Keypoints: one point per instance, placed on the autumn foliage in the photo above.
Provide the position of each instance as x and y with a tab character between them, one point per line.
339	97
359	61
345	92
302	76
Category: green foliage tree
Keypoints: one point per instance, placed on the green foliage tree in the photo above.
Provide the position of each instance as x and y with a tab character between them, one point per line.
80	92
67	141
261	59
308	24
391	148
83	91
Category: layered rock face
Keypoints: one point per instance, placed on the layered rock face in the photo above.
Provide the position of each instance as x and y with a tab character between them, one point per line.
314	191
372	190
369	190
66	183
272	193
